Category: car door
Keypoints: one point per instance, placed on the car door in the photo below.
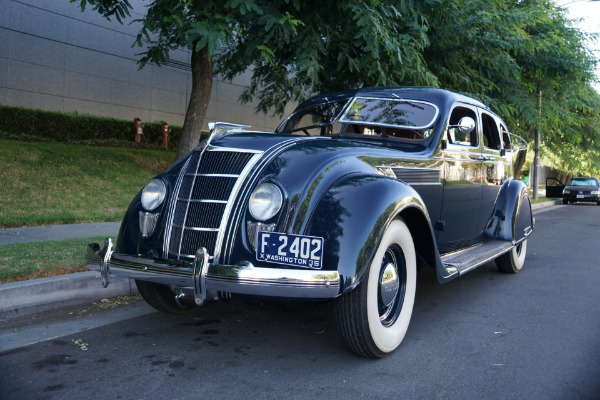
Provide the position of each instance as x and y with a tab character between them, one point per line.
461	196
494	165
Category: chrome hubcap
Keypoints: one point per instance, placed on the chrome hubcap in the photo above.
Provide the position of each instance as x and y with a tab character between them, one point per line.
388	285
392	285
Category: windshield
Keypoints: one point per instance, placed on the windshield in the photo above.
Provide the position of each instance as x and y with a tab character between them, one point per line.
399	113
365	117
583	182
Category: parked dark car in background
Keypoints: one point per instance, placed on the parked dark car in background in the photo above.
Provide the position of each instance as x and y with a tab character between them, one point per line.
352	193
582	189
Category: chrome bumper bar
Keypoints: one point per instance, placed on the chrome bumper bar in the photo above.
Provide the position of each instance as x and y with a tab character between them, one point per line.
202	277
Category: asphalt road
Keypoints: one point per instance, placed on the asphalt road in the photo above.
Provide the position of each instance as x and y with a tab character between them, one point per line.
487	335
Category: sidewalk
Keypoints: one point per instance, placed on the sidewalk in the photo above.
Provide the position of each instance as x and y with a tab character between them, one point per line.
58	232
20	299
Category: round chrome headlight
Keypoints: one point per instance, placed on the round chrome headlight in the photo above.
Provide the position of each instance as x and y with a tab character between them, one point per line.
153	194
265	201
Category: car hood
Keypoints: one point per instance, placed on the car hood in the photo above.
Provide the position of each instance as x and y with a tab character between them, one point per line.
263	141
581	188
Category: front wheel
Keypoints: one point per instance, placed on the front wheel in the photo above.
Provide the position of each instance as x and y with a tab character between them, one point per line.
512	262
373	318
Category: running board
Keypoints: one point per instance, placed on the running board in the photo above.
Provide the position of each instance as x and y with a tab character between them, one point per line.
464	261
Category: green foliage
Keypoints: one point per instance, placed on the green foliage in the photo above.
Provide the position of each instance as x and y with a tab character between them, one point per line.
505	53
24	261
73	127
333	46
51	183
501	52
109	8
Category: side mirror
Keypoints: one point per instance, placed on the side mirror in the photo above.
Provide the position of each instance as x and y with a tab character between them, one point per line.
466	124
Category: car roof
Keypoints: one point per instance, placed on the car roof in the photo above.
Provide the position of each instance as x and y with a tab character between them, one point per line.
434	95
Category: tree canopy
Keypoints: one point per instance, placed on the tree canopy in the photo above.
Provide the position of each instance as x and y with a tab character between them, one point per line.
502	52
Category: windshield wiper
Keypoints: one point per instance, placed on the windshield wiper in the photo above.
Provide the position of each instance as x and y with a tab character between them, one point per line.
410	103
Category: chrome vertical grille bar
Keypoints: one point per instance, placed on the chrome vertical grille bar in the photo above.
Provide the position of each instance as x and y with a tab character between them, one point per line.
171	209
199	210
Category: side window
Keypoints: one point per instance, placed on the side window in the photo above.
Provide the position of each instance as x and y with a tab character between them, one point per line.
454	135
505	137
491	137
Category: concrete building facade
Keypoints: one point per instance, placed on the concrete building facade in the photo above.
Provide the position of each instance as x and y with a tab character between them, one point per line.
55	57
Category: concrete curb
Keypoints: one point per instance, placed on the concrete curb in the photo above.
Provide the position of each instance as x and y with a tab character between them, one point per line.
545	204
34	296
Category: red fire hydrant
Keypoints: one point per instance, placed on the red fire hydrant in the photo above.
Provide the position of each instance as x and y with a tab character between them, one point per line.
138	129
165	130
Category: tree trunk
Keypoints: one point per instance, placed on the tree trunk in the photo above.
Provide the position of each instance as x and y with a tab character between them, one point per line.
202	75
518	163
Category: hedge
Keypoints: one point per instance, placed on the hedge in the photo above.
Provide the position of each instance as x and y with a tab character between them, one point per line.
74	127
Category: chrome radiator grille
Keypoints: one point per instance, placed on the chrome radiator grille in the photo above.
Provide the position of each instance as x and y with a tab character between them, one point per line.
205	187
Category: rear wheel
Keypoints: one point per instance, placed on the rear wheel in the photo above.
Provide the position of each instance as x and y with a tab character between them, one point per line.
512	262
373	318
162	298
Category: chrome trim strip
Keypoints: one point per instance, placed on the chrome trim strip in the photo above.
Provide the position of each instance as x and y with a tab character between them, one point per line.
216	175
429	176
203	200
232	149
241	199
171	209
190	256
195	228
242	279
230	201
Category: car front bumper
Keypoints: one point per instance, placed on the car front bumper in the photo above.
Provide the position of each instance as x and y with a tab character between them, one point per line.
593	198
202	280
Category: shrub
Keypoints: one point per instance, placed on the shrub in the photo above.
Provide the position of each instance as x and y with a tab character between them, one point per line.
73	127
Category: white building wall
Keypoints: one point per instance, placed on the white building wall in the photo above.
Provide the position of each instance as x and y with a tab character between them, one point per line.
55	57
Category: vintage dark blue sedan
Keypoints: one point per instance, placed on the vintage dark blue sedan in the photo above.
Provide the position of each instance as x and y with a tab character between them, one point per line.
352	193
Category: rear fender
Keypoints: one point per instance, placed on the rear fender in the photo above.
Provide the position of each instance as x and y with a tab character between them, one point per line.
512	219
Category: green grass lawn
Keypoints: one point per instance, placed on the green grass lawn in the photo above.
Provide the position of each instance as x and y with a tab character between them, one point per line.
56	183
24	261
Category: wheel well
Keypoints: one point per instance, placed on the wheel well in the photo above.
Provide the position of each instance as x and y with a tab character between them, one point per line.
421	232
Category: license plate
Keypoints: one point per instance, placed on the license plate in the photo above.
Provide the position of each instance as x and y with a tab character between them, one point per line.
293	250
580	196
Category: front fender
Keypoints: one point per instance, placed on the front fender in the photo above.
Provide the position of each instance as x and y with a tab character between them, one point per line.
352	217
512	219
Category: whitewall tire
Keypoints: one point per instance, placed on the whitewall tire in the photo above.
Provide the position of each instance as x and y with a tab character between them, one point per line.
513	261
373	318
